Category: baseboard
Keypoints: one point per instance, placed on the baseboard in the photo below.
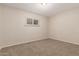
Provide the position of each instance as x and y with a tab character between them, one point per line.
37	40
63	41
22	43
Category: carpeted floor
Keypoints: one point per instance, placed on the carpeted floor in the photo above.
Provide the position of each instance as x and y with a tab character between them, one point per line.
47	47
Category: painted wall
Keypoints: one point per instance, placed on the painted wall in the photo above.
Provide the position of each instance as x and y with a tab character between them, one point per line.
65	26
1	24
13	31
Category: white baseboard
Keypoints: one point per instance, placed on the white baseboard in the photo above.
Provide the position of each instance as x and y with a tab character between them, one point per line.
21	43
64	41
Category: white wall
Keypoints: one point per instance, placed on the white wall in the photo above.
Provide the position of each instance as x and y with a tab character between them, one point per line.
1	23
13	30
65	26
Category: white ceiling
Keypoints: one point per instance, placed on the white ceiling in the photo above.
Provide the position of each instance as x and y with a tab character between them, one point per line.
49	9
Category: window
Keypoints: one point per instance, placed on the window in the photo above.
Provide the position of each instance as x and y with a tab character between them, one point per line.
35	22
29	21
32	22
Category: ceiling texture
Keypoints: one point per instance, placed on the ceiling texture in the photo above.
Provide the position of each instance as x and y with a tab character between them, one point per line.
48	9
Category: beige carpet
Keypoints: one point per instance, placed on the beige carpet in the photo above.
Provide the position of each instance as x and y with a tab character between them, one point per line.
47	47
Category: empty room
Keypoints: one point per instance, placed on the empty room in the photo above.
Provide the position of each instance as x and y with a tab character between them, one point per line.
39	29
